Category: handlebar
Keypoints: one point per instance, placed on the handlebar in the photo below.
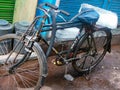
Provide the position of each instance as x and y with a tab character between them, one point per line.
64	12
53	7
49	5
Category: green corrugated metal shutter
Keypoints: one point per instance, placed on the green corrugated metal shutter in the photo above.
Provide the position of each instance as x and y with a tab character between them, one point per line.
7	9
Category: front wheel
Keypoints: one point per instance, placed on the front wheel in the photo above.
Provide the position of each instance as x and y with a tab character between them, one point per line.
29	74
90	51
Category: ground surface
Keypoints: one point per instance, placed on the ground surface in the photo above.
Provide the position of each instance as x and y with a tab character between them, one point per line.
106	76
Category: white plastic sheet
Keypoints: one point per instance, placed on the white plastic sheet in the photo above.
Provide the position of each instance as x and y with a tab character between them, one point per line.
67	34
106	18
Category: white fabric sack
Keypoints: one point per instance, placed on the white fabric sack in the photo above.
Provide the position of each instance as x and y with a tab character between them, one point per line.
67	34
106	18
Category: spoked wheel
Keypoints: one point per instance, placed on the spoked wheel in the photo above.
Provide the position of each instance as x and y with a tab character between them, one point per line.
25	75
90	51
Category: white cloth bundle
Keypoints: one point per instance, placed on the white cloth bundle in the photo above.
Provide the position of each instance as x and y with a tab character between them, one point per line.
106	18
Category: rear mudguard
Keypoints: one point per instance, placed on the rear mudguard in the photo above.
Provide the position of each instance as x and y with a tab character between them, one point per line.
109	38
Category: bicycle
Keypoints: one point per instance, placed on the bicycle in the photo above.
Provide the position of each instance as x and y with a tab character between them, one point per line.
24	64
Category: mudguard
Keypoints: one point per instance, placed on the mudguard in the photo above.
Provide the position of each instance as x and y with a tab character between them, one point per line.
44	61
109	38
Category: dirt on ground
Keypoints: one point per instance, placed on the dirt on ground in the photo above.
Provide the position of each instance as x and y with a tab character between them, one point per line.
106	75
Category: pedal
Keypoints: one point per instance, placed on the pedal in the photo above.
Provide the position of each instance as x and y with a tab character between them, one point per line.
68	77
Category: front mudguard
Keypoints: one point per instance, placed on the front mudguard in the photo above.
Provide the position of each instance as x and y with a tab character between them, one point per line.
44	60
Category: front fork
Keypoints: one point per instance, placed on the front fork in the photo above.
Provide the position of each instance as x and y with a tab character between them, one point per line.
28	49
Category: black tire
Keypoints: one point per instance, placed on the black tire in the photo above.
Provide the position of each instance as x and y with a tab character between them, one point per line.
30	74
91	51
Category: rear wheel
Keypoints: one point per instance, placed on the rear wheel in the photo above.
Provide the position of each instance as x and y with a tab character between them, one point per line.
90	51
29	74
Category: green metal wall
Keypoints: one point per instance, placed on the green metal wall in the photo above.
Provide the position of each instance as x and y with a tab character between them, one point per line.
7	9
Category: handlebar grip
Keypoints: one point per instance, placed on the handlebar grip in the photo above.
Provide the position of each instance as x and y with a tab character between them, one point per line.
51	6
64	12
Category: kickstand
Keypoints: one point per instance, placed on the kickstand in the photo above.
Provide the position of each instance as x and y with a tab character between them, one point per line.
87	75
67	76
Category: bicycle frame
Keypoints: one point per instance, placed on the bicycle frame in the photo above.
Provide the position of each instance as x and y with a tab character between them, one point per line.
83	52
88	29
73	45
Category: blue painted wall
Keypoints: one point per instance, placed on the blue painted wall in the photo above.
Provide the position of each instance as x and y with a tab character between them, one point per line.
39	12
115	7
72	6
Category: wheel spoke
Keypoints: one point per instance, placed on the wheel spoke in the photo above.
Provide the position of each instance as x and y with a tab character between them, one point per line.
94	53
26	74
83	63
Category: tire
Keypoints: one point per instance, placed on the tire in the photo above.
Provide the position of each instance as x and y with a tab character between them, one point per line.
90	51
29	74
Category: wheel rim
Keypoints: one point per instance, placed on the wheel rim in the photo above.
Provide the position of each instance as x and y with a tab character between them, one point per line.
89	58
24	76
